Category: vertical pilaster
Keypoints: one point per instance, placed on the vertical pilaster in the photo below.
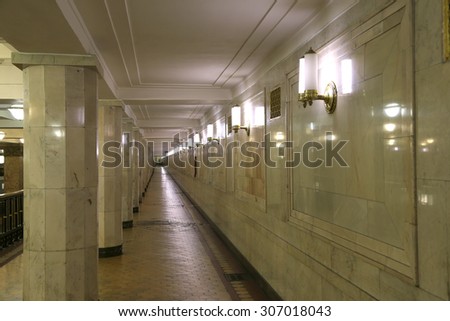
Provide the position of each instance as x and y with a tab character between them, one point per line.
144	169
110	236
127	178
135	169
60	177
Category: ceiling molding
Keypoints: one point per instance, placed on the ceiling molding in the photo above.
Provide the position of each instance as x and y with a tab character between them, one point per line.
175	94
76	22
304	35
168	123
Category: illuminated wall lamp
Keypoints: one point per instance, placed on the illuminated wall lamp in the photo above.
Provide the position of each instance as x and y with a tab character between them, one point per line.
236	120
210	133
307	92
197	140
17	111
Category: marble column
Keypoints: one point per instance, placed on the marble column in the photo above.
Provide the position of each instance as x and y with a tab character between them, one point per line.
127	178
60	177
144	170
110	233
135	170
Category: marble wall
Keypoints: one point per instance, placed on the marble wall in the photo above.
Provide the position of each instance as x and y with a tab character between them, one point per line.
376	226
432	149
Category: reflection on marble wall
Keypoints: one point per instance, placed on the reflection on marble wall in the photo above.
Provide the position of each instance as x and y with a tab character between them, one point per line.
249	164
432	150
356	232
374	194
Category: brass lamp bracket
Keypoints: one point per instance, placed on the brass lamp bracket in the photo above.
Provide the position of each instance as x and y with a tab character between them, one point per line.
237	127
329	97
211	139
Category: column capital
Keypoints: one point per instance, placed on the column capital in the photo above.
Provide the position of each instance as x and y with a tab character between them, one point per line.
111	103
127	121
23	60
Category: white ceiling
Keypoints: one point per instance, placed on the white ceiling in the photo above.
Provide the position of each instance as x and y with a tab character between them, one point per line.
170	61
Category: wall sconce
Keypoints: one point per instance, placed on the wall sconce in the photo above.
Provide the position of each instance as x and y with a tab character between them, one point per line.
210	134
236	120
2	135
309	93
197	141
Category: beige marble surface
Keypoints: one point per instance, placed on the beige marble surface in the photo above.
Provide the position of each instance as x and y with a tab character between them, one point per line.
109	179
60	185
356	232
135	170
127	179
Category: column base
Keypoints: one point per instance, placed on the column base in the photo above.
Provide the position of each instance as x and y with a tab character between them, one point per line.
136	209
127	224
110	251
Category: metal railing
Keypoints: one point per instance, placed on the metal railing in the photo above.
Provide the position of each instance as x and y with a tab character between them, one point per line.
11	218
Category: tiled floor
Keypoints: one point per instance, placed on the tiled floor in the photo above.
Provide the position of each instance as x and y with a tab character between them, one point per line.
171	253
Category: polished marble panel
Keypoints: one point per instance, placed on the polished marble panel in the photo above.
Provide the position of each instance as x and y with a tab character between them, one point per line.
110	180
371	193
58	193
127	179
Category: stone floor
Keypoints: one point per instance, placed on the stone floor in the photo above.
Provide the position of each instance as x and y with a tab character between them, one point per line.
171	253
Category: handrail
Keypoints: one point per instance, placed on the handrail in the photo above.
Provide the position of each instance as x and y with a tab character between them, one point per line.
7	195
11	218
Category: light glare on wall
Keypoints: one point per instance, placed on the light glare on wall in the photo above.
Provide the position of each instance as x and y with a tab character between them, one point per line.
279	136
58	133
259	116
389	127
392	110
330	137
347	76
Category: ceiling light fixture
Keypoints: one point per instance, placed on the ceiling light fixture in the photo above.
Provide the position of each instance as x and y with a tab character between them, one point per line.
17	111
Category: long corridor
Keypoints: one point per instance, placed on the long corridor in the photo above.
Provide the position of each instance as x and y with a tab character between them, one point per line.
171	253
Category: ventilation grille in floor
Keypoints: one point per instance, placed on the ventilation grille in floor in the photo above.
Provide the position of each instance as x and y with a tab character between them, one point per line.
165	225
232	277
